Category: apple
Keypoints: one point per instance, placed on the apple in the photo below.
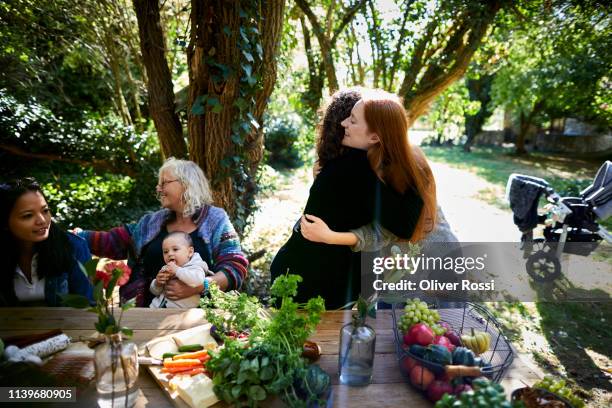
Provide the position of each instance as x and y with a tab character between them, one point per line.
420	377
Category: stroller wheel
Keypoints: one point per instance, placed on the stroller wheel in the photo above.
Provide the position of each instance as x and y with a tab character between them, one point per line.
543	266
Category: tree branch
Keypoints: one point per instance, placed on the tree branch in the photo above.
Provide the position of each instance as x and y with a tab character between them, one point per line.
456	57
96	163
350	14
398	47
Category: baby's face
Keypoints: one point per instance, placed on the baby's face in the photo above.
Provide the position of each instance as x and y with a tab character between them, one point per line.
176	250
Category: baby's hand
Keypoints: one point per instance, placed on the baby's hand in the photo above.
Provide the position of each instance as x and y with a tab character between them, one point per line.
171	268
162	277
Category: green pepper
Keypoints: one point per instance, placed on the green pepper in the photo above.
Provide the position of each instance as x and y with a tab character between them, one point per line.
190	348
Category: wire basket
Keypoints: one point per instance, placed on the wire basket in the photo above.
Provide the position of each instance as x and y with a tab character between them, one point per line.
461	319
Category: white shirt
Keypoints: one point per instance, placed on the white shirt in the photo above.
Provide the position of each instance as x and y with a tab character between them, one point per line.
25	290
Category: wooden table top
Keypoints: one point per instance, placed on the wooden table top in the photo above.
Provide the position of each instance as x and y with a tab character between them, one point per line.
388	388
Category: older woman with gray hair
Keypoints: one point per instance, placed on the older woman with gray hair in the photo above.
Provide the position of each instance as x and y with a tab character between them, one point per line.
186	200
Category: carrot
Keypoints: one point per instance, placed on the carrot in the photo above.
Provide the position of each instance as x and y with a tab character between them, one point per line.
204	359
178	370
195	354
168	363
192	372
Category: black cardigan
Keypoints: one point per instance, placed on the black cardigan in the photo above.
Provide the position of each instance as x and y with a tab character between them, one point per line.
346	194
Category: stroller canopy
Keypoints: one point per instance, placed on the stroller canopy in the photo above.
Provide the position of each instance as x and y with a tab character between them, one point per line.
599	194
523	193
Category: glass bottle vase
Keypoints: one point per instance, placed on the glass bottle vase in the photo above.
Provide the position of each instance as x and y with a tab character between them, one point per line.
356	355
116	363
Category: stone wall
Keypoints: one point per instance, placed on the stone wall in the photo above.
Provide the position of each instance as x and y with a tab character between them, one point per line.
582	145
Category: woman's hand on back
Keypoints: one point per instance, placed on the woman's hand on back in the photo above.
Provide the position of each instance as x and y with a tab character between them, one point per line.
315	229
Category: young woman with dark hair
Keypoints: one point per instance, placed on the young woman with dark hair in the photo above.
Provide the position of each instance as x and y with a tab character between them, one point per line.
40	261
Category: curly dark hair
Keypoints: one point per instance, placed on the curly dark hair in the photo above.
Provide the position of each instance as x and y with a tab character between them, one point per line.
330	132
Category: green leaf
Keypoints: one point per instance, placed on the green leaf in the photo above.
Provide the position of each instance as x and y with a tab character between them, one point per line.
236	391
248	56
198	105
217	108
248	69
241	104
254	122
257	393
266	373
89	268
227	31
128	305
111	285
242	377
127	331
213	101
255	364
237	139
98	291
76	301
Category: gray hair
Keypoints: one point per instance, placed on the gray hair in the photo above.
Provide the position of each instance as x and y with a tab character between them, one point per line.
197	191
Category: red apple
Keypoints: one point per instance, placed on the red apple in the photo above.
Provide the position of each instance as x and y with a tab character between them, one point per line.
408	340
420	334
444	341
437	389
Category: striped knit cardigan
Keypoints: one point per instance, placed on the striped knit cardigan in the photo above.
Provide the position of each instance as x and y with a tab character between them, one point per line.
214	227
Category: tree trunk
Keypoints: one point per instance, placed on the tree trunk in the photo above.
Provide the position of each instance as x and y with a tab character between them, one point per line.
215	30
479	90
159	85
326	43
314	92
526	121
520	138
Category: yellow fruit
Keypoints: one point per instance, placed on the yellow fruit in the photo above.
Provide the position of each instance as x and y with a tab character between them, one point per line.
478	342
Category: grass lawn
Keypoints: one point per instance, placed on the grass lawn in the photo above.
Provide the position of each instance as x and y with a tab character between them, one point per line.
565	339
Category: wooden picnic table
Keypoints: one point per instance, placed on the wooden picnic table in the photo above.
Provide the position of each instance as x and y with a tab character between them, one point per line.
388	388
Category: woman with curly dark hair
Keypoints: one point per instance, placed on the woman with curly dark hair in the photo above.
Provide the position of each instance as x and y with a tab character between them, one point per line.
347	194
40	261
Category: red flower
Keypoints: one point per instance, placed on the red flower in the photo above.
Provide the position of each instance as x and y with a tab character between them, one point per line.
111	267
102	276
106	274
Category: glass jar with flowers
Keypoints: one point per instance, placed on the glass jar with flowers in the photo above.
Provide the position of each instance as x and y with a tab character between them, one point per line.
116	360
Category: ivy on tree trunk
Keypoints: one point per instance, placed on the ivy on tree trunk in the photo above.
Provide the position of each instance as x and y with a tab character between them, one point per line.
232	71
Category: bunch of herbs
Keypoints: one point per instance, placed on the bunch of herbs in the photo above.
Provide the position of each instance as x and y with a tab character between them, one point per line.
270	362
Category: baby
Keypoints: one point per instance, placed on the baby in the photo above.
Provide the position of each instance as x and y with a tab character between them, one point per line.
183	263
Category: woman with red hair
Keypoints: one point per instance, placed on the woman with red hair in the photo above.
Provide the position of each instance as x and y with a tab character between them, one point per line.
378	124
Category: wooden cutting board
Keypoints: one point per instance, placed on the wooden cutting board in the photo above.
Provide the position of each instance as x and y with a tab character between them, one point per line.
162	381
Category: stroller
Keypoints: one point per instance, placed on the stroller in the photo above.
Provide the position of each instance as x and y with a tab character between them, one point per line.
568	220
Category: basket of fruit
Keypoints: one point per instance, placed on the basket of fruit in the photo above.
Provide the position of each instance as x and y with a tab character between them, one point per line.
440	350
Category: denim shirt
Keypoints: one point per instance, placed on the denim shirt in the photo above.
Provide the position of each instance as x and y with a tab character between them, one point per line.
73	281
